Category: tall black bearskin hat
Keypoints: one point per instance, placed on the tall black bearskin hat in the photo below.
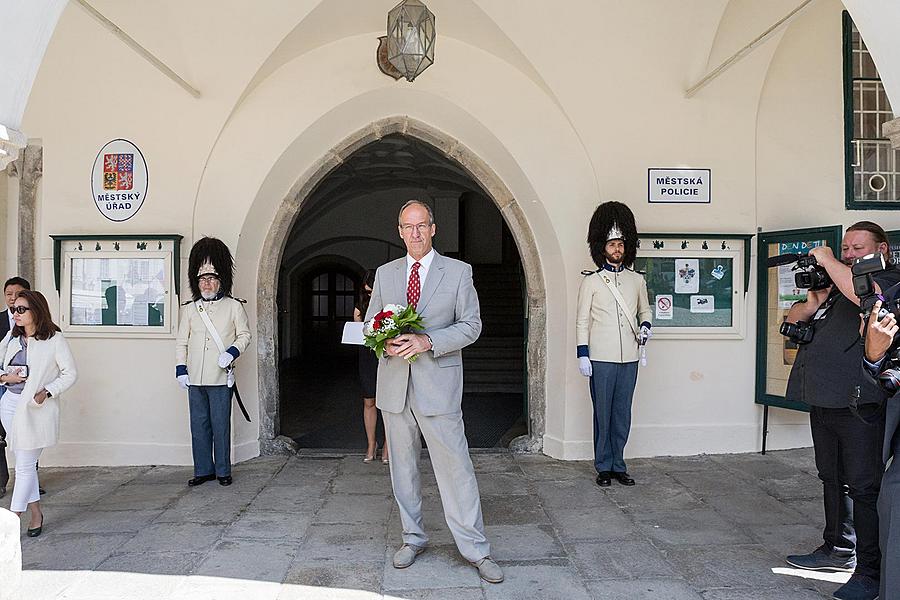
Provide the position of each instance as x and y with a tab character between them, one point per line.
612	220
210	256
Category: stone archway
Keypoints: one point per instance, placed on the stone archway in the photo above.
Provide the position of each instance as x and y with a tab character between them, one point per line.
267	283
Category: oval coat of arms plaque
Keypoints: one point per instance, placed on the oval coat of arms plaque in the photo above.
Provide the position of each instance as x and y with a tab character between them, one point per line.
119	180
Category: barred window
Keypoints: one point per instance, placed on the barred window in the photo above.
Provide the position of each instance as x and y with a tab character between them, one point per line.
872	167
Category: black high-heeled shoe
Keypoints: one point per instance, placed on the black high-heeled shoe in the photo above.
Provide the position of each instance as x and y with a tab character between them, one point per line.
37	530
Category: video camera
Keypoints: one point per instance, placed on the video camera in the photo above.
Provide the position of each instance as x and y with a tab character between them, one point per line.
809	276
864	287
800	332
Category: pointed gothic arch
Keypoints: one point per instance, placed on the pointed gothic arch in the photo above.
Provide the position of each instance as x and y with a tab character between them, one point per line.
288	212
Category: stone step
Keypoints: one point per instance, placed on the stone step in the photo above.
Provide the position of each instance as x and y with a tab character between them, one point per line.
492	388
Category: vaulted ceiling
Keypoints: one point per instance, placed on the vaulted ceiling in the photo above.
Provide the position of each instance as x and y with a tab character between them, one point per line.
393	162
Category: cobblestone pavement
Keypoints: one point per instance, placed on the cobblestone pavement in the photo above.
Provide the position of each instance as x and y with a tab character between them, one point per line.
323	527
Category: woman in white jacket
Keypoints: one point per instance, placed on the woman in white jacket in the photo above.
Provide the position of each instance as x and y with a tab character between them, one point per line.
36	366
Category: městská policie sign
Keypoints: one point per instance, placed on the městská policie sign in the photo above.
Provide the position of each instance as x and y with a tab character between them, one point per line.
678	186
119	180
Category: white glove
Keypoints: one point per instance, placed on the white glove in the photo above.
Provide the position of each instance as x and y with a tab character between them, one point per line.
183	381
584	365
229	378
645	334
225	359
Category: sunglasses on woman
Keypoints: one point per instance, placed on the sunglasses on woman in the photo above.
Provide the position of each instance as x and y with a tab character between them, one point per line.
20	309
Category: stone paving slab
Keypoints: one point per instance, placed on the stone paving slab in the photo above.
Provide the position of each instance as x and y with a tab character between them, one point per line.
643	589
620	560
545	581
594	523
695	527
326	526
161	563
524	542
358	574
259	560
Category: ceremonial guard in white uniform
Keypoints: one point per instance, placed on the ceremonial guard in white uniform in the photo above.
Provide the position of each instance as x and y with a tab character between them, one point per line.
612	326
213	331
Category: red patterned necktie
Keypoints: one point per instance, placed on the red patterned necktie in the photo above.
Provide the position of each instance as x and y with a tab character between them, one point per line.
414	288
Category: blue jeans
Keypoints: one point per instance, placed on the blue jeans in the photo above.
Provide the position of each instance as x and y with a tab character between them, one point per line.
210	407
612	388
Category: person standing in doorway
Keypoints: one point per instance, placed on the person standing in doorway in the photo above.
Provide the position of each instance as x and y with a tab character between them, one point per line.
612	323
11	289
424	398
36	366
368	374
204	363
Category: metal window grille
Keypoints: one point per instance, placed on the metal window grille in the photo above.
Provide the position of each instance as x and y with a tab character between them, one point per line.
873	167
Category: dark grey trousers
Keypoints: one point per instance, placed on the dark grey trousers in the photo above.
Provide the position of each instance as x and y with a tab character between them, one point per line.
4	466
889	531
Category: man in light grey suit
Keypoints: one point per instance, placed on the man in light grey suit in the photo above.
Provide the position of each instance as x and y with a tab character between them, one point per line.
426	395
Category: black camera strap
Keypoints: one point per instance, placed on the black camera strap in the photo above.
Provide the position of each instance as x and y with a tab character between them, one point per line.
877	413
818	318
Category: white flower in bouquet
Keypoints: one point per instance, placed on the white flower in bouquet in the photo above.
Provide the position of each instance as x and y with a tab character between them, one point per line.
394	308
389	324
368	327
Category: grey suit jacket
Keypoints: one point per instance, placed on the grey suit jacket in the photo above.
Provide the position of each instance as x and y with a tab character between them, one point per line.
449	308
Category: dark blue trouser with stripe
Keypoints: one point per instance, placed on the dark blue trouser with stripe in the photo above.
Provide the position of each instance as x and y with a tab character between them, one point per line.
612	389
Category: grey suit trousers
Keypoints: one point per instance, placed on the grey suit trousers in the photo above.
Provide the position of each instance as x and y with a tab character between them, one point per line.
453	470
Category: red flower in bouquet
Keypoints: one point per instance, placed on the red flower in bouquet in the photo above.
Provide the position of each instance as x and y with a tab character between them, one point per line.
392	321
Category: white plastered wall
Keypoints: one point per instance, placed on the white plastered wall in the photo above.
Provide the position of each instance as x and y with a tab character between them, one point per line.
293	141
223	170
799	155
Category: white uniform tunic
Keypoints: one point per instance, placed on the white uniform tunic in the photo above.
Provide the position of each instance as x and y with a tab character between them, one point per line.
602	325
197	349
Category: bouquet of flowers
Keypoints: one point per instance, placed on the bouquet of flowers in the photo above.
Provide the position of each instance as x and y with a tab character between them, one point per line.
393	320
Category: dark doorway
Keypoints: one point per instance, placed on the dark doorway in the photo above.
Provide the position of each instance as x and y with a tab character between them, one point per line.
347	225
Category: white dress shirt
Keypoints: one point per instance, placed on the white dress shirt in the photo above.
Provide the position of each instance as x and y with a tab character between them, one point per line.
12	322
424	265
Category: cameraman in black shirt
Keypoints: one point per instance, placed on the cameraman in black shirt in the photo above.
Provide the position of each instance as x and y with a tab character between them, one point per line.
848	449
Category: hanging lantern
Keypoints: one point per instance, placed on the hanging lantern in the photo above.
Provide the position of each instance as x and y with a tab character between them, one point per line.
410	38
